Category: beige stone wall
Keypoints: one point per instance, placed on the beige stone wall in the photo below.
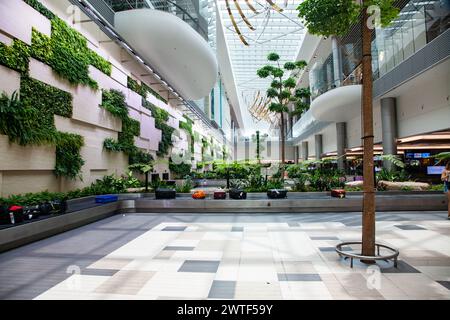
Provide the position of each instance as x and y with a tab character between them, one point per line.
30	169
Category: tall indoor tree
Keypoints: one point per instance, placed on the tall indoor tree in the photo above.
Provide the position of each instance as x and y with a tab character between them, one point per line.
281	89
334	18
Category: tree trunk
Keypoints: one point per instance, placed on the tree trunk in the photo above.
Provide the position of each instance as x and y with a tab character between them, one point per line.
283	140
368	218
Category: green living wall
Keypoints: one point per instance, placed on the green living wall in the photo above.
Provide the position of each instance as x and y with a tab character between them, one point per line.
28	118
161	117
114	102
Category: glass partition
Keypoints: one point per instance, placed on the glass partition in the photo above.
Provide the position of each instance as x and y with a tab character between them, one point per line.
418	23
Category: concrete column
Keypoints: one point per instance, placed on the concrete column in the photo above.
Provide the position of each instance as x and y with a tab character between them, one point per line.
389	128
296	154
305	154
318	146
341	139
336	62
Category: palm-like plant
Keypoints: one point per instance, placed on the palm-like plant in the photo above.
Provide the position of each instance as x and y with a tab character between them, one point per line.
280	90
442	157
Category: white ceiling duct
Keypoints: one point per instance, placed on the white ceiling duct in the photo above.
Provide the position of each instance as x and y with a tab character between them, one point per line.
180	55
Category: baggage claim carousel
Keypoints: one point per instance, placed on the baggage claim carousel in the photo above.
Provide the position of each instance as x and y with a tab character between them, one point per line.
85	210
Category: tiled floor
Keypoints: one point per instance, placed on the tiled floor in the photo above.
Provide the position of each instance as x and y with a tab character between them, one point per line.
223	256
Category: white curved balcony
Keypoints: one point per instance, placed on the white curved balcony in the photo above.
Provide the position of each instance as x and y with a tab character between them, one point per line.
338	105
180	54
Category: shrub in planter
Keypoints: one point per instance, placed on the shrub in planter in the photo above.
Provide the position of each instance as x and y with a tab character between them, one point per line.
186	186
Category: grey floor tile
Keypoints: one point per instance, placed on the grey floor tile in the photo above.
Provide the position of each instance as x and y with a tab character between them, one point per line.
237	229
324	238
402	267
410	227
298	277
333	249
445	284
174	229
99	272
222	290
199	266
178	248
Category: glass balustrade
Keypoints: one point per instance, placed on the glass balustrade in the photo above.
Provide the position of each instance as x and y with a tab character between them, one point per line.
418	23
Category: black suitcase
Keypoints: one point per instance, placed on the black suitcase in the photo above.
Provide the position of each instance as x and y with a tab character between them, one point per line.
238	194
45	209
4	215
165	194
277	194
31	212
58	206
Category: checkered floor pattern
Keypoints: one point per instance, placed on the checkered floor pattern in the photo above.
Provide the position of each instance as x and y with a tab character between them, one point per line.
264	260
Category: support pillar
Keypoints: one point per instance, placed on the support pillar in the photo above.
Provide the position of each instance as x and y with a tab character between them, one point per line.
318	143
305	154
296	153
341	139
389	129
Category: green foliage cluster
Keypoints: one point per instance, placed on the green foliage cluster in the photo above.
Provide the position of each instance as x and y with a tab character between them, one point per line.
143	89
187	126
40	8
186	186
180	170
335	17
114	102
393	175
316	176
161	117
68	158
30	121
107	185
302	105
16	56
66	52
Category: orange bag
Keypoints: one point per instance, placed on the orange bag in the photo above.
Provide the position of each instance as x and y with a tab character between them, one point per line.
200	194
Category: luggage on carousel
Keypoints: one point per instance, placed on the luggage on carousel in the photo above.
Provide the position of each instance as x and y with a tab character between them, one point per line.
220	195
15	214
338	193
165	194
199	195
277	193
100	199
31	212
238	194
60	206
4	215
45	209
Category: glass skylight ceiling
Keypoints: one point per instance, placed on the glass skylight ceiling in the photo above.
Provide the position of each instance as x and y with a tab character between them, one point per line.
280	32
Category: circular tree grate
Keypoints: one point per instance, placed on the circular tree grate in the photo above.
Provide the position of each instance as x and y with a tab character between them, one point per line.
348	255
